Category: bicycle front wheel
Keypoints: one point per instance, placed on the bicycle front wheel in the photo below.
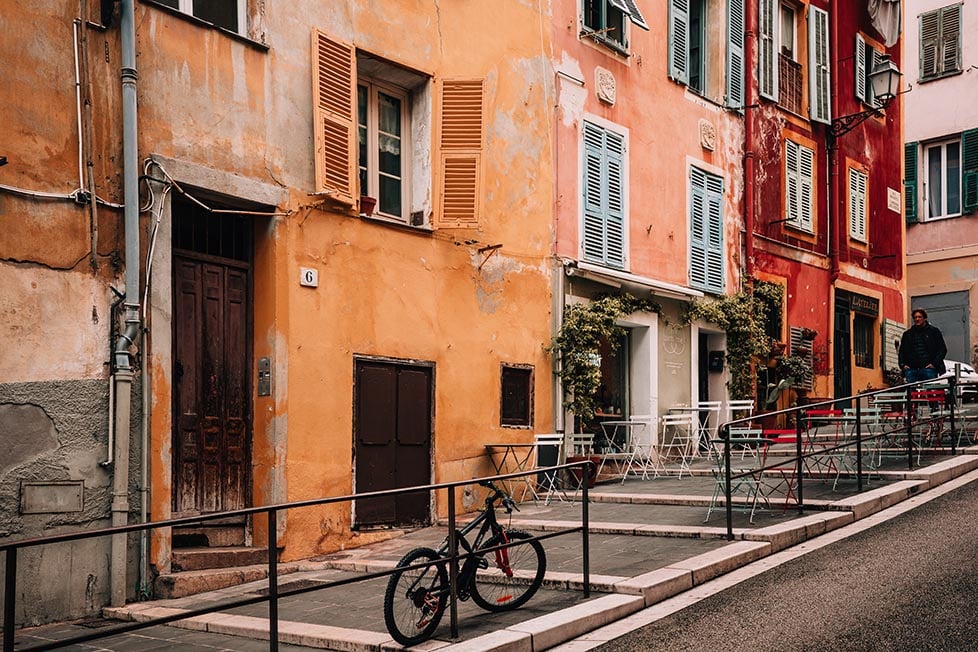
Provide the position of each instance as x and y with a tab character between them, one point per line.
415	598
513	575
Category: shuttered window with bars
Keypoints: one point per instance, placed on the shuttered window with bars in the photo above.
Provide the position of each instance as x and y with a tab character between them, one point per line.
461	153
706	231
603	240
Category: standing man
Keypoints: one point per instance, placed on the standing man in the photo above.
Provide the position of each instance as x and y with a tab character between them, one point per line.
922	349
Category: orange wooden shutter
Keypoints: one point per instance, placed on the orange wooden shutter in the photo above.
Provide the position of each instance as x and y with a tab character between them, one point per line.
334	90
461	153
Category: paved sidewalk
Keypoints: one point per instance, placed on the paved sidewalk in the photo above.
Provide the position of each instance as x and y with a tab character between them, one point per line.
648	542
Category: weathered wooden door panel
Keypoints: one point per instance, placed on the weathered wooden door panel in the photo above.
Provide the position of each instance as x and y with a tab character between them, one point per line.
212	406
392	441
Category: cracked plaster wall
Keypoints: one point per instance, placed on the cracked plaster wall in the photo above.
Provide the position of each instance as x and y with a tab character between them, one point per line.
50	432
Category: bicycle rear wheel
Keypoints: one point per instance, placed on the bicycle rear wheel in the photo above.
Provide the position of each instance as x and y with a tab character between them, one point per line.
415	598
514	574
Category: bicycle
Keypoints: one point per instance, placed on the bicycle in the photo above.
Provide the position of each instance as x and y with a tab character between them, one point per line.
500	572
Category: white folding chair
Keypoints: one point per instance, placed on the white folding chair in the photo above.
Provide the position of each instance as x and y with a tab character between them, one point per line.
679	432
708	420
548	480
580	444
741	409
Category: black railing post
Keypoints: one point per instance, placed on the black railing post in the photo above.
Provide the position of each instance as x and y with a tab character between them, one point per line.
952	390
585	541
452	563
908	421
9	596
728	488
273	580
799	463
859	446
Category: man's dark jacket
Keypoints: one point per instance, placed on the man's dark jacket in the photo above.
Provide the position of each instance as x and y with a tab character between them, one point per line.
923	342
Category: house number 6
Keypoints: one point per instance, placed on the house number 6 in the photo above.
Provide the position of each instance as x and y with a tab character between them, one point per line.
309	277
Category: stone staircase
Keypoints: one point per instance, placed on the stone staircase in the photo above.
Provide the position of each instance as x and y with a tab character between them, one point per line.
207	559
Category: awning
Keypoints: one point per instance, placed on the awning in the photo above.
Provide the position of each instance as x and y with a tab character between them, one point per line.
631	282
628	8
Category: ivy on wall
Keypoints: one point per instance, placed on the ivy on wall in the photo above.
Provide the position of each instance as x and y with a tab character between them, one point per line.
743	316
577	343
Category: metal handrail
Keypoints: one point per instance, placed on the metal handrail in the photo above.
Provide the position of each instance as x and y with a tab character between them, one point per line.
909	423
11	548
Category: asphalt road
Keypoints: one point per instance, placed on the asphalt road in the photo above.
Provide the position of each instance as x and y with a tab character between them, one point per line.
910	583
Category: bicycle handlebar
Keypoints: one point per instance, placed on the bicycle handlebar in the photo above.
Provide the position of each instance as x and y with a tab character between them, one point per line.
498	494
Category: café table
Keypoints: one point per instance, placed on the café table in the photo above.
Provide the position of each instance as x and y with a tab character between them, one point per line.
513	458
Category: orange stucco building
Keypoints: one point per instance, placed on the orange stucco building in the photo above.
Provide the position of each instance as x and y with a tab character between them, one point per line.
279	340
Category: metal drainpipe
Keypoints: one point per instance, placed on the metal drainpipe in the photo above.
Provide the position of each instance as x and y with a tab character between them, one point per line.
749	100
122	361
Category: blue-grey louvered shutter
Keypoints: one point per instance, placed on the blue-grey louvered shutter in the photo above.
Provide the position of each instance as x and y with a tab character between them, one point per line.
705	231
860	68
735	54
818	65
603	241
697	228
679	40
593	238
615	212
714	233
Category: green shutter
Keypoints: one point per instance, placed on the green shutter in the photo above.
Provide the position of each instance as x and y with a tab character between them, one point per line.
679	40
910	181
735	54
969	176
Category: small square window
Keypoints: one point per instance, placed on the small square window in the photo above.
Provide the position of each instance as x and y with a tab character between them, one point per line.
516	406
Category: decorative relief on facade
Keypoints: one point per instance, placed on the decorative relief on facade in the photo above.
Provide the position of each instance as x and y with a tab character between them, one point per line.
708	135
604	83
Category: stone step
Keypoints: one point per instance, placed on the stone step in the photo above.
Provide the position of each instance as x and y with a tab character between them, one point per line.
202	558
179	585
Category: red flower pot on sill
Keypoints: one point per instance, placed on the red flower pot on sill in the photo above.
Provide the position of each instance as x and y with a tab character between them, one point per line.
367	205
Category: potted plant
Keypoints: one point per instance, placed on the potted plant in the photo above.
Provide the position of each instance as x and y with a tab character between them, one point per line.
808	334
795	369
367	205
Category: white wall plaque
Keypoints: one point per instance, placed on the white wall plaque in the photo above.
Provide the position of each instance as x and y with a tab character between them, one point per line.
309	277
604	83
893	200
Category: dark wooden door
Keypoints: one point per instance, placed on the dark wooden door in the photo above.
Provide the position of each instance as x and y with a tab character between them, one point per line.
392	441
842	359
212	406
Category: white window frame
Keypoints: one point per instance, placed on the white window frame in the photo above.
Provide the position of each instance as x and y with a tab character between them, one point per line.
373	163
858	204
629	14
187	7
942	144
799	184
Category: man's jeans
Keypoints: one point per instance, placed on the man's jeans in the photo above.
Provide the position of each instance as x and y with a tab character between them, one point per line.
913	375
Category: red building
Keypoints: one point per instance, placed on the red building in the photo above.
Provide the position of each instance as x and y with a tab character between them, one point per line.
824	179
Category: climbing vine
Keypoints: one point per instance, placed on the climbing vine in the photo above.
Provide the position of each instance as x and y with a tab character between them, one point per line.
577	344
743	316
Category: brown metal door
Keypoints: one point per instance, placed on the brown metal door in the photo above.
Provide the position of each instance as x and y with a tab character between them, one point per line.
211	453
393	441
